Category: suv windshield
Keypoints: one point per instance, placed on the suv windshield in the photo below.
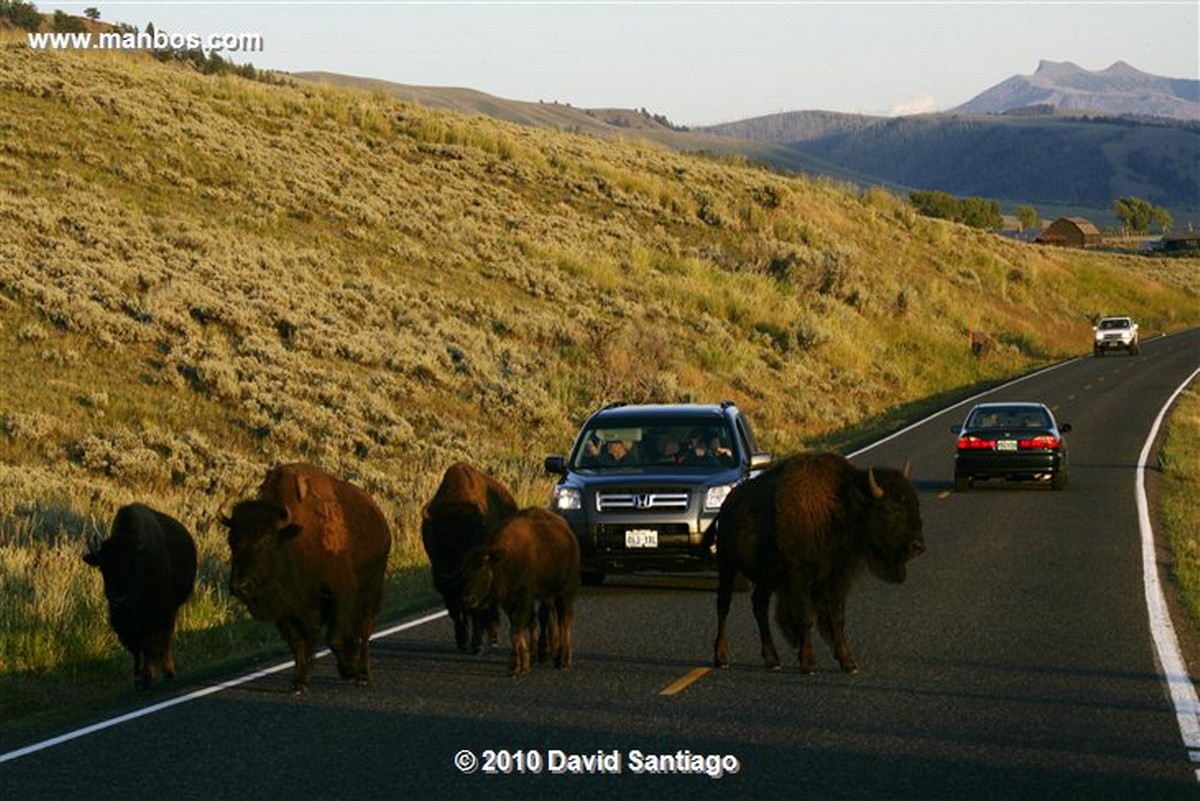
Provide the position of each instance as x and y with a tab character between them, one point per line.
1113	323
654	443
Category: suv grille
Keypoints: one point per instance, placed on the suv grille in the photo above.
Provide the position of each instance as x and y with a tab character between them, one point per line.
613	501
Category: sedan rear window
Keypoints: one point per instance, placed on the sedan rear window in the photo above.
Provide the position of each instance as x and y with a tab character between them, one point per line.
1008	418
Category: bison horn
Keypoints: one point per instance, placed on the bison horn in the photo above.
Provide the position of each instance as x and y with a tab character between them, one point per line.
908	468
876	490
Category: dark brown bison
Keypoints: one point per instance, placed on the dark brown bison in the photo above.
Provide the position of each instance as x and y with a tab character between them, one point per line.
311	551
149	567
803	531
466	509
532	558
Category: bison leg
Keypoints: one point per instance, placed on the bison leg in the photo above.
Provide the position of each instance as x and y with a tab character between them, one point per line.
142	674
518	660
460	618
481	620
302	652
725	577
761	601
832	623
564	614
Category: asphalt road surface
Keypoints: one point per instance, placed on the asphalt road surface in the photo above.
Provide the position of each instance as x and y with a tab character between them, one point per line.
1018	661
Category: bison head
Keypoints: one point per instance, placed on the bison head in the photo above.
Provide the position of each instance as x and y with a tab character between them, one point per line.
256	530
116	558
479	573
893	526
449	532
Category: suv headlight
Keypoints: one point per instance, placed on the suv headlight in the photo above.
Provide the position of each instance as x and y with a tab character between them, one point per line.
567	498
716	496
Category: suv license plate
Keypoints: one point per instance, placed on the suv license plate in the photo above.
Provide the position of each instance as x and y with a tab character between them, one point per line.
641	538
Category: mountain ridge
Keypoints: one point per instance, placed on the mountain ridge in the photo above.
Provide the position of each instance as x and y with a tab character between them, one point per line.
1119	89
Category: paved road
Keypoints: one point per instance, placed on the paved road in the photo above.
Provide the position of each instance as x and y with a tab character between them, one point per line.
1016	662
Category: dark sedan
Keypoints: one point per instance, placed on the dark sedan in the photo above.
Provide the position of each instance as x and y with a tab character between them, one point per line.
1013	441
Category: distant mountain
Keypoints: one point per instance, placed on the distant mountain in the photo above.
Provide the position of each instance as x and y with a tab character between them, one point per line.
1063	138
1074	162
1120	89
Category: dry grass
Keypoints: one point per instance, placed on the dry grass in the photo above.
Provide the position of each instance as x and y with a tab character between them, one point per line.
1180	457
202	276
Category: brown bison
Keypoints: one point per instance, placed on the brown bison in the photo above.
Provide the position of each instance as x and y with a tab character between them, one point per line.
149	567
466	509
311	551
803	531
532	558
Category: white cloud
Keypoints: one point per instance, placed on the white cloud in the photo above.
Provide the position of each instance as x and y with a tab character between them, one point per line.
918	104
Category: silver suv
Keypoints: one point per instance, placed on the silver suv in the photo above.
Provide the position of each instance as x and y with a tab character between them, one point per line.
642	483
1115	333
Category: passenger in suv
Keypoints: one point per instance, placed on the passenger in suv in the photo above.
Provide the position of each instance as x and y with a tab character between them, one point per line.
649	508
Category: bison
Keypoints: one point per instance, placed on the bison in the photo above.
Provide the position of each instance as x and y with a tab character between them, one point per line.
532	558
311	551
466	509
803	530
148	564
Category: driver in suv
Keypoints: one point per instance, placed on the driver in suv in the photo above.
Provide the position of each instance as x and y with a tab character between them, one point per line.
642	483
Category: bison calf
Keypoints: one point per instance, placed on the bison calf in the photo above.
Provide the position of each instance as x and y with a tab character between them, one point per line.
148	564
534	557
311	551
803	531
466	509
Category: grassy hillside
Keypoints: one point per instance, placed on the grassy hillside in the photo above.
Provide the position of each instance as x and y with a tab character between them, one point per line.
201	276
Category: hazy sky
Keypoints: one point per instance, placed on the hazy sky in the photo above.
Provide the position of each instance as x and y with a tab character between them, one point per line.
696	62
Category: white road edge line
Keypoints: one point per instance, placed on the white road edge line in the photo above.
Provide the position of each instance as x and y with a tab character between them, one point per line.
192	696
1166	643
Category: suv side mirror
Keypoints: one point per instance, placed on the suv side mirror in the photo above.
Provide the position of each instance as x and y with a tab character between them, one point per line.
555	464
760	460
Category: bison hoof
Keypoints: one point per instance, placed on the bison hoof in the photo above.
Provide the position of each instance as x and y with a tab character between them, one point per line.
299	690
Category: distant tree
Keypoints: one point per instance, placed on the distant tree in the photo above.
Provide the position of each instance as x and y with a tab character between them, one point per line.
23	15
1028	217
973	211
979	213
65	23
1136	214
934	203
1163	218
92	13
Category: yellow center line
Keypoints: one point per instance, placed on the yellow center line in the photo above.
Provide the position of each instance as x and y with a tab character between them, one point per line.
683	682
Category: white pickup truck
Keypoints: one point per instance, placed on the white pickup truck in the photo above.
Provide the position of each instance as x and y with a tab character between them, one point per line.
1115	333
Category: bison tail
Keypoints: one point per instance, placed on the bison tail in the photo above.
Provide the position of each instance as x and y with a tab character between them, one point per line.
789	616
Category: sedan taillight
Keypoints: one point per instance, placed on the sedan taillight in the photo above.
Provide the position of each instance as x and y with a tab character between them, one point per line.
970	442
1042	442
